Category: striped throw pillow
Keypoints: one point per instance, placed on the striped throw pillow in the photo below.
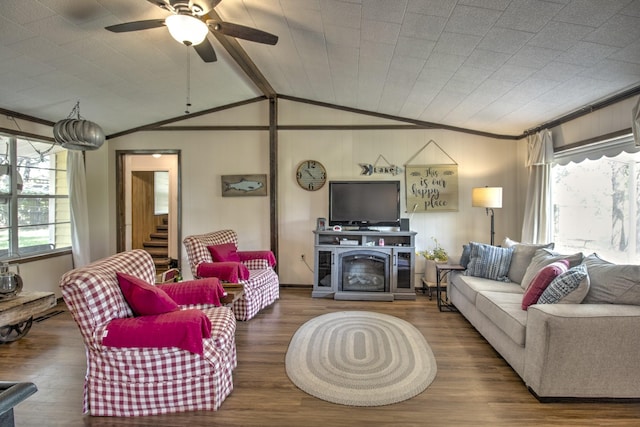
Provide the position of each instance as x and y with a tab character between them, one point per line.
569	287
490	262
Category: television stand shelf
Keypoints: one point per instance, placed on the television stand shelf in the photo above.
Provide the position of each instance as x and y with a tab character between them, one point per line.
364	265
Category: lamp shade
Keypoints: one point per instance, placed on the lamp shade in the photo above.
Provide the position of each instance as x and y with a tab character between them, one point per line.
187	29
486	197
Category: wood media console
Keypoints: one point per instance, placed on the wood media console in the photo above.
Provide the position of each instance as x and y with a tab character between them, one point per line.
364	265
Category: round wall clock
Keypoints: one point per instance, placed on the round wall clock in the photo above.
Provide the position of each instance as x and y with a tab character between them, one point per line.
311	175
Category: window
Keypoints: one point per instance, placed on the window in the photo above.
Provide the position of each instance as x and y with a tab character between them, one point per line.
596	204
34	212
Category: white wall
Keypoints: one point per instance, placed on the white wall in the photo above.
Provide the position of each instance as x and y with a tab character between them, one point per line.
481	161
205	157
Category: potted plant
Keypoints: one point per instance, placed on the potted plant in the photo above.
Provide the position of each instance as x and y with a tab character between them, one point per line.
437	254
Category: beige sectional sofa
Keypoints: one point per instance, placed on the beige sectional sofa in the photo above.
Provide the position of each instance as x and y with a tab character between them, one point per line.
565	350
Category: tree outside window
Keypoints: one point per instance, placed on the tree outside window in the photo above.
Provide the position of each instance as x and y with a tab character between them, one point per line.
596	207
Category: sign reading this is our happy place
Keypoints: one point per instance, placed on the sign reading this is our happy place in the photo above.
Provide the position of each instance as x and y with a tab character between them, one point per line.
431	188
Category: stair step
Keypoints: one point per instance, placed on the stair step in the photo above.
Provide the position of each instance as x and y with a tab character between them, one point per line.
156	243
162	227
164	262
157	252
162	236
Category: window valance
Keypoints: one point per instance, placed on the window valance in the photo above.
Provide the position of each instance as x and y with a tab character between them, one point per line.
609	148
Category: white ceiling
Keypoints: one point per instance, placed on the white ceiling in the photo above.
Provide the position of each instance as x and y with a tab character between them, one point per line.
499	66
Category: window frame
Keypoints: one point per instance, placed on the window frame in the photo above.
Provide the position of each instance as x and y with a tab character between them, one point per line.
13	200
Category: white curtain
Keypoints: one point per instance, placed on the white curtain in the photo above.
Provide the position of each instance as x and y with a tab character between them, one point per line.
635	122
79	208
536	227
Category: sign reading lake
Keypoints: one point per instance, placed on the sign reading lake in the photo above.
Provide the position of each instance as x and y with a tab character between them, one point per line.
432	188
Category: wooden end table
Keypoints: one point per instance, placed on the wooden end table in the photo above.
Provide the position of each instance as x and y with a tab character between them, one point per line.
16	314
441	272
234	293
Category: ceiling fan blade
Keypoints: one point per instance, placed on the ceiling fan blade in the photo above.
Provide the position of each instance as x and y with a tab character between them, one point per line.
136	26
205	51
242	32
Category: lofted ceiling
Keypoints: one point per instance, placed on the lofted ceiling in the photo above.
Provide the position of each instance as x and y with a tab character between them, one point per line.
496	66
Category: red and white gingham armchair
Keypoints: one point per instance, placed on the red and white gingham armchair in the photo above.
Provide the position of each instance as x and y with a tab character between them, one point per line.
146	380
253	269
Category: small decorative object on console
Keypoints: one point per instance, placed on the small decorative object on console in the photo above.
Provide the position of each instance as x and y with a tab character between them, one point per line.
10	283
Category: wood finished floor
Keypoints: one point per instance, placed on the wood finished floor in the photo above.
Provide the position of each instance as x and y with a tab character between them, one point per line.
474	386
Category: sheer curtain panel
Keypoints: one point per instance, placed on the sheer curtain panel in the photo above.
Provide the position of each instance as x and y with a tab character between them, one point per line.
78	208
536	227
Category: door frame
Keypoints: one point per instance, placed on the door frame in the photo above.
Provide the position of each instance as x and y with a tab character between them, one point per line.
121	202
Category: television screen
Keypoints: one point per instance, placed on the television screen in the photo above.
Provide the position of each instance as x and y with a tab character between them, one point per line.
364	203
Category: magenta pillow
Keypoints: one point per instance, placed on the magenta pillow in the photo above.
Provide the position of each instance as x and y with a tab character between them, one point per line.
224	252
226	271
143	298
541	280
184	329
199	291
267	255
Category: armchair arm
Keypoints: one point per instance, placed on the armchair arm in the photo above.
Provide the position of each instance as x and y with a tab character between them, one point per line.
566	340
193	292
226	271
184	329
257	255
13	393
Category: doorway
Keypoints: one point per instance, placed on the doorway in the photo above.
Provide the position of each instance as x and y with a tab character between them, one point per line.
148	202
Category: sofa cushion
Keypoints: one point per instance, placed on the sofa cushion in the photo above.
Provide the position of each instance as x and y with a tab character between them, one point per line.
612	283
490	262
568	288
522	255
143	298
542	280
470	286
505	312
544	257
224	252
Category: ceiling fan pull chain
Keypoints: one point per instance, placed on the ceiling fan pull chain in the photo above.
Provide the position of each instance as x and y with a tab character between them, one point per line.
188	81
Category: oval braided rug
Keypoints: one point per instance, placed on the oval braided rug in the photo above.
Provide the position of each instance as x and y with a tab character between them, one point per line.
360	358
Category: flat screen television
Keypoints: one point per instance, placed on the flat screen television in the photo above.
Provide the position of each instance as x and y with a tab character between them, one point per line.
364	203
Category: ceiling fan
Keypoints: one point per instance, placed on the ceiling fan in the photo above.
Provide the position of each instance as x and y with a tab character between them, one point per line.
190	23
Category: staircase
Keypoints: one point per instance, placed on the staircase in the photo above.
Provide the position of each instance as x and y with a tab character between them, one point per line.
158	246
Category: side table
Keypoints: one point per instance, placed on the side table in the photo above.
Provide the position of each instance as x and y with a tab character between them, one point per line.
234	293
441	272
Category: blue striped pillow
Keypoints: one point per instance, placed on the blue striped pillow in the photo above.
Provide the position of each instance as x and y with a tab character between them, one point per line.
563	286
490	262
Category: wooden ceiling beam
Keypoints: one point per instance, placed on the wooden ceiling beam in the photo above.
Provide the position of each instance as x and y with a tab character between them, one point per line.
241	58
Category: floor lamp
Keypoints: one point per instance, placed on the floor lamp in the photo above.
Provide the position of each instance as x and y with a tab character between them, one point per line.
488	198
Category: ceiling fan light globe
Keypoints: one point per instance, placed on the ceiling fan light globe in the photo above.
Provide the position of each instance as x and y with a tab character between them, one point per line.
187	29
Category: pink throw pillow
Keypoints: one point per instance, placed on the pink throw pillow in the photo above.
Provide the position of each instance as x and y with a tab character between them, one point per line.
143	298
224	252
541	280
